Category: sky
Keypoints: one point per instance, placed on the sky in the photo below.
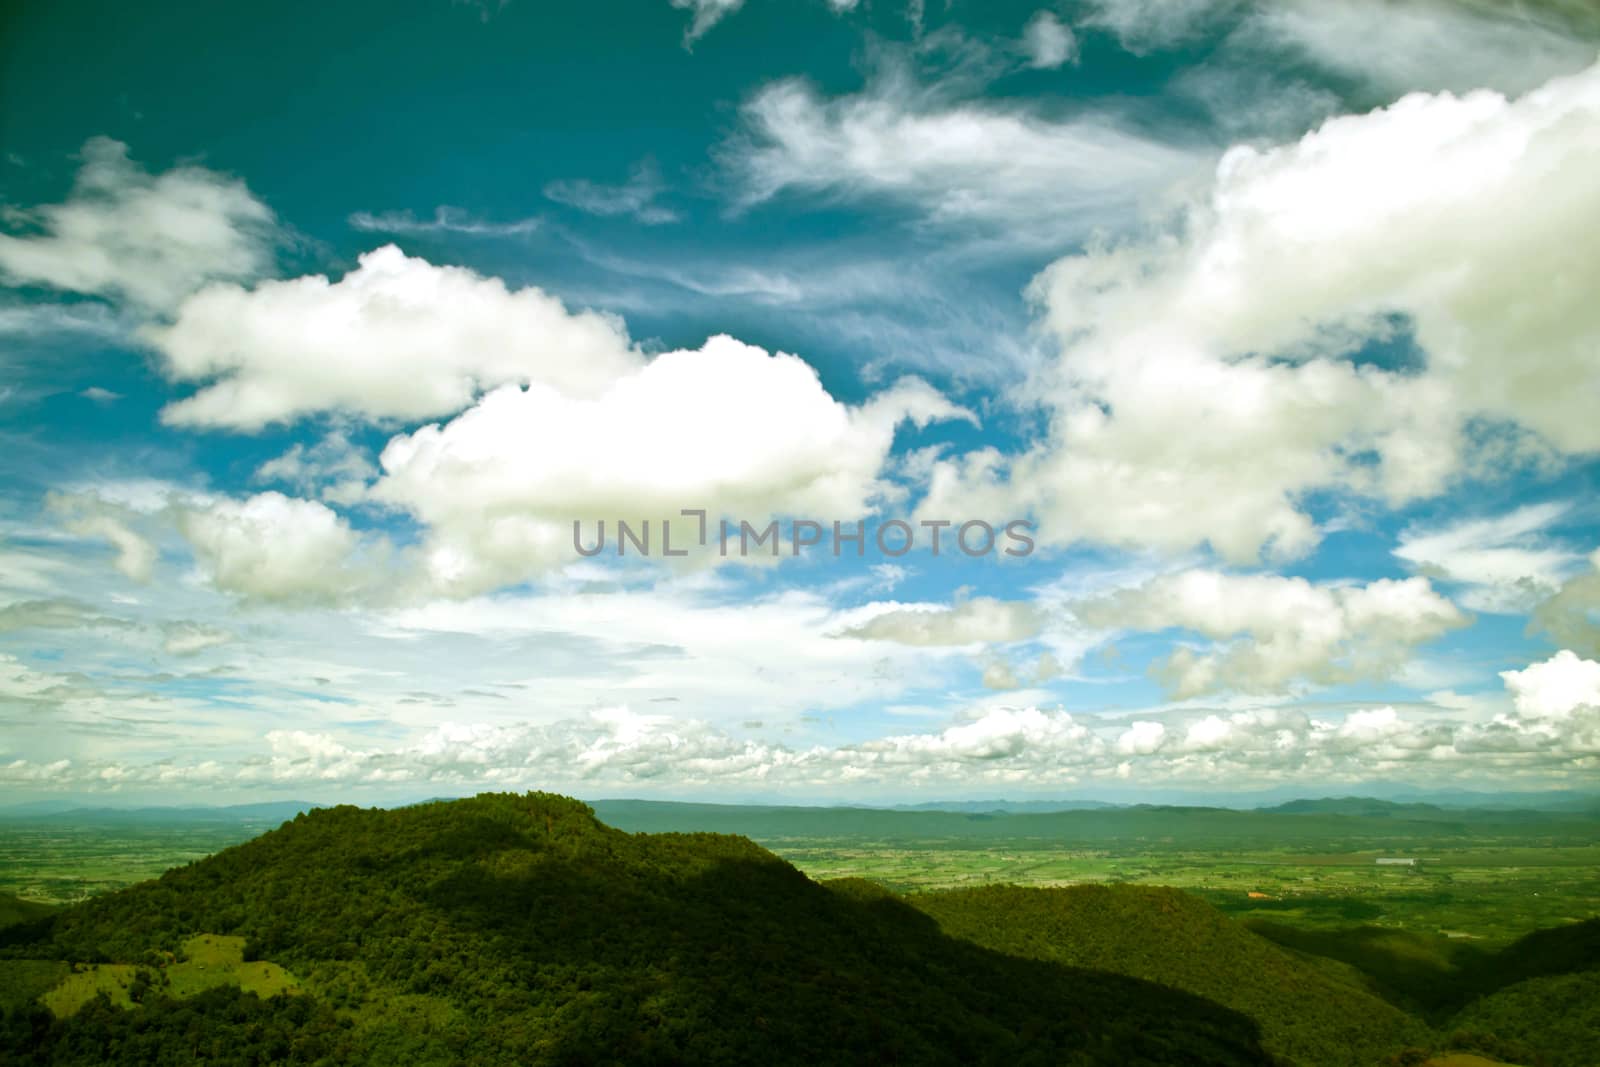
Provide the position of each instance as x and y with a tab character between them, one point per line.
1209	387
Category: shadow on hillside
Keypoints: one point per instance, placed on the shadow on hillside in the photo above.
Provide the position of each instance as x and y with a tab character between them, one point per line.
747	953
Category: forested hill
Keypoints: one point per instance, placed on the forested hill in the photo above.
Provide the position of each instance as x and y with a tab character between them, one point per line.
519	929
1312	1011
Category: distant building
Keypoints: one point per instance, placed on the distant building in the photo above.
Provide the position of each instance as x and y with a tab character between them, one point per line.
1396	861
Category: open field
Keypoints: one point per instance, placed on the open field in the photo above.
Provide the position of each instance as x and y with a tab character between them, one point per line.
1492	895
206	962
1479	877
66	857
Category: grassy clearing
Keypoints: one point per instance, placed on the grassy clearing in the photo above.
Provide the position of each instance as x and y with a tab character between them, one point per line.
88	981
207	961
210	960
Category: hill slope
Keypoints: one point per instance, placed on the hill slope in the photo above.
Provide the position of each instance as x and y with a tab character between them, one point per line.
1310	1012
519	929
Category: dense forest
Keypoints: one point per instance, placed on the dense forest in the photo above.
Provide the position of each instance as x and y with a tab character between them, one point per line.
519	929
522	930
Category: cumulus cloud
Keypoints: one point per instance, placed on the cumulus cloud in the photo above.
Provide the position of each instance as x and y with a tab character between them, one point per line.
274	548
1205	383
1141	738
396	338
978	621
1504	562
1556	688
1017	747
728	428
1570	616
333	468
1287	629
148	239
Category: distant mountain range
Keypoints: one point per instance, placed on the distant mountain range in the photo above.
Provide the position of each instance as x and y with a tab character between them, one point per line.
268	811
1427	806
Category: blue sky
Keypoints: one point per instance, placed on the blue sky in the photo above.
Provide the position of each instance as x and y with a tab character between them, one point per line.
321	329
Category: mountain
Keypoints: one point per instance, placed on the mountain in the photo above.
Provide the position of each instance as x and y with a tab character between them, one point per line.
273	812
1551	1020
14	910
1366	806
520	929
1006	805
1310	1012
1434	976
1535	1001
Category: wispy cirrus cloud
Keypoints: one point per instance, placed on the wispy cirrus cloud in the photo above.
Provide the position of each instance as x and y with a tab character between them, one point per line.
1011	170
636	198
446	220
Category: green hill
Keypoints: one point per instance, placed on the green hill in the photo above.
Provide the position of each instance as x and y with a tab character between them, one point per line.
1552	1021
1432	975
13	909
518	929
1310	1012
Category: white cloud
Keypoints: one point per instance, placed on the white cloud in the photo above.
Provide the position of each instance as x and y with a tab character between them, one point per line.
1016	747
333	468
88	515
1147	25
397	338
445	219
54	615
274	548
88	318
978	621
1142	738
728	428
1556	688
636	198
1387	46
707	13
1026	735
1504	564
1423	44
1287	629
1034	179
1049	42
189	638
148	239
1205	386
1570	615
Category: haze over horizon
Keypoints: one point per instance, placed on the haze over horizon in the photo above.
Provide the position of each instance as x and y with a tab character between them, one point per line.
1275	321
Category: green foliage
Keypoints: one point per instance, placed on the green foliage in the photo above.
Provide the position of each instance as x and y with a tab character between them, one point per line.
222	1026
1556	1018
1309	1014
1415	971
518	929
24	981
1436	976
14	910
